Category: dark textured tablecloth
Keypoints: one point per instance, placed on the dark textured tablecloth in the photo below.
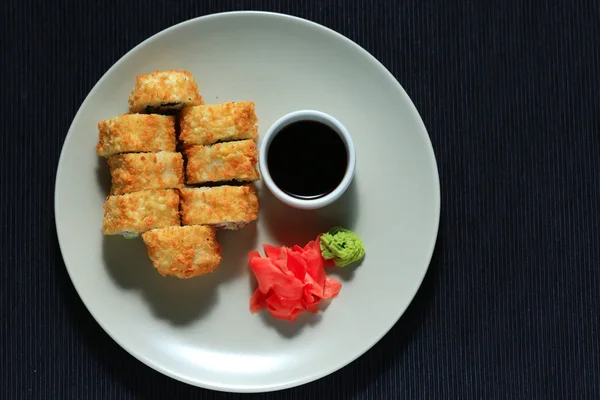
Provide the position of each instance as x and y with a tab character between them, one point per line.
509	92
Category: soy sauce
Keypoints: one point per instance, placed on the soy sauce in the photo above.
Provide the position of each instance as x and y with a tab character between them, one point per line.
307	159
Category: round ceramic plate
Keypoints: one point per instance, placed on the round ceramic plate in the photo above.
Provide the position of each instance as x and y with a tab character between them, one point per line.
200	330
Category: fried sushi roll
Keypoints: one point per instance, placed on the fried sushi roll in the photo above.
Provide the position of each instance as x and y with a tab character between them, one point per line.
164	92
133	172
211	123
221	162
224	207
132	213
133	133
183	251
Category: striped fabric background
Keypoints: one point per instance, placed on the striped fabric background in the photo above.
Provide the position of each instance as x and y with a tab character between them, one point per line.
509	91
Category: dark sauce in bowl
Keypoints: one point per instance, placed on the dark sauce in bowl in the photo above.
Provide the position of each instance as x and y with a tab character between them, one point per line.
307	159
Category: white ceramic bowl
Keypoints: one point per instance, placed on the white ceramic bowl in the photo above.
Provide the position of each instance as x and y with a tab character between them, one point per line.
307	115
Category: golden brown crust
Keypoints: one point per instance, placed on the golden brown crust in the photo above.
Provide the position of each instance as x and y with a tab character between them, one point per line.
131	133
219	205
184	252
220	162
133	172
140	211
211	123
158	88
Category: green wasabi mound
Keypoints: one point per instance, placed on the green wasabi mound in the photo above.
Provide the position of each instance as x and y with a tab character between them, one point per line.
342	245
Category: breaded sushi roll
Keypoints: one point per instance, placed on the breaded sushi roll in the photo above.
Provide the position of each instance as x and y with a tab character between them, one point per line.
183	251
224	207
132	213
133	172
164	92
221	162
133	133
211	123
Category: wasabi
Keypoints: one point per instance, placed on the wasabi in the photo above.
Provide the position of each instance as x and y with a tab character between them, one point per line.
342	245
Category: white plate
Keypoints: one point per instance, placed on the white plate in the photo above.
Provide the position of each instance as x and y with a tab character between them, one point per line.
200	331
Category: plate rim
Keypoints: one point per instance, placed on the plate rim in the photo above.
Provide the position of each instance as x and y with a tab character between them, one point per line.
400	311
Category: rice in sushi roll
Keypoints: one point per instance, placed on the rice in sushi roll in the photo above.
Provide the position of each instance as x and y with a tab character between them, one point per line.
133	213
211	123
221	162
133	133
164	92
224	207
183	251
133	172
